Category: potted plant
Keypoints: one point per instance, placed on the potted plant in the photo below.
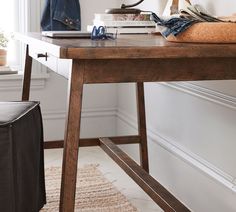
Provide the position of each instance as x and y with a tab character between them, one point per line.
3	50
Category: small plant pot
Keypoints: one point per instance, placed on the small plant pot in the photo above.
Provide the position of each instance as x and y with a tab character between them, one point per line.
3	57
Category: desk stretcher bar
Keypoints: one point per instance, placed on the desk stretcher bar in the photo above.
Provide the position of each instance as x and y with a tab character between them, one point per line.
154	189
132	139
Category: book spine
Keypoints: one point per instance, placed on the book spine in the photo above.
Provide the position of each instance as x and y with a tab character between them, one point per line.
144	30
122	17
123	23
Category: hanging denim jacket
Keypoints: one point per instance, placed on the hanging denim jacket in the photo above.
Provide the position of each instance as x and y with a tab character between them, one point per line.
61	15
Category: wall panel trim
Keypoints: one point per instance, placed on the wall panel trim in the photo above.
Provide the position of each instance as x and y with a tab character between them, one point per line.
182	153
86	113
204	93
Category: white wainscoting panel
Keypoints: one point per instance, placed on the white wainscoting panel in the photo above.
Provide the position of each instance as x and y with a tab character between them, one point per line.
179	151
96	122
191	137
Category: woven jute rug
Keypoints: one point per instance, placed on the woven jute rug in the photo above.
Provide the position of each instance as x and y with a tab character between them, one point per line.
93	193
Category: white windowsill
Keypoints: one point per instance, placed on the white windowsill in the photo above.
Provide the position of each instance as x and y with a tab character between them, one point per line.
19	76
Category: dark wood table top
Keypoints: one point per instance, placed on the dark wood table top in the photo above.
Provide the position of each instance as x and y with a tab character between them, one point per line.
125	46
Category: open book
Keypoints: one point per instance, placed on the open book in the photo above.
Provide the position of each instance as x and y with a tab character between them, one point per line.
197	12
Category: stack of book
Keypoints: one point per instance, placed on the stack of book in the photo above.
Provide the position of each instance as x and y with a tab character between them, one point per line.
124	23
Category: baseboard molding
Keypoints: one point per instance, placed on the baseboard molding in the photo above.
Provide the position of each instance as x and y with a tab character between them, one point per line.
60	143
182	153
204	93
53	144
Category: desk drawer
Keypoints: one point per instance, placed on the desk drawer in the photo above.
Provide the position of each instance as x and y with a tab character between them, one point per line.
44	58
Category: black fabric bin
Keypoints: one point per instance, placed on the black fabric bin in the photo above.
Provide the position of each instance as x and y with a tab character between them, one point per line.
22	182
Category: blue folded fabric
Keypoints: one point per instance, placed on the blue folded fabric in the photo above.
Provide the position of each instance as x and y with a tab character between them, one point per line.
174	25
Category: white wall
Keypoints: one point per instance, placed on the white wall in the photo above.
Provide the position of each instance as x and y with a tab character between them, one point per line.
99	100
89	7
191	132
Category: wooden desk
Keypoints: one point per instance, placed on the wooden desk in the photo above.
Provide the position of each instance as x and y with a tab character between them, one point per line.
136	58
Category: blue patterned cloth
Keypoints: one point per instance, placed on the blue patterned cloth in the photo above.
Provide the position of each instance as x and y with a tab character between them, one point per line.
174	25
61	15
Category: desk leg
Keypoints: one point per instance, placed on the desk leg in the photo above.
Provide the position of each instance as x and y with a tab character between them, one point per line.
71	141
142	127
27	76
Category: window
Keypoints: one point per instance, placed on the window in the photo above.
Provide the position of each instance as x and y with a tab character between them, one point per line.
8	23
20	16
